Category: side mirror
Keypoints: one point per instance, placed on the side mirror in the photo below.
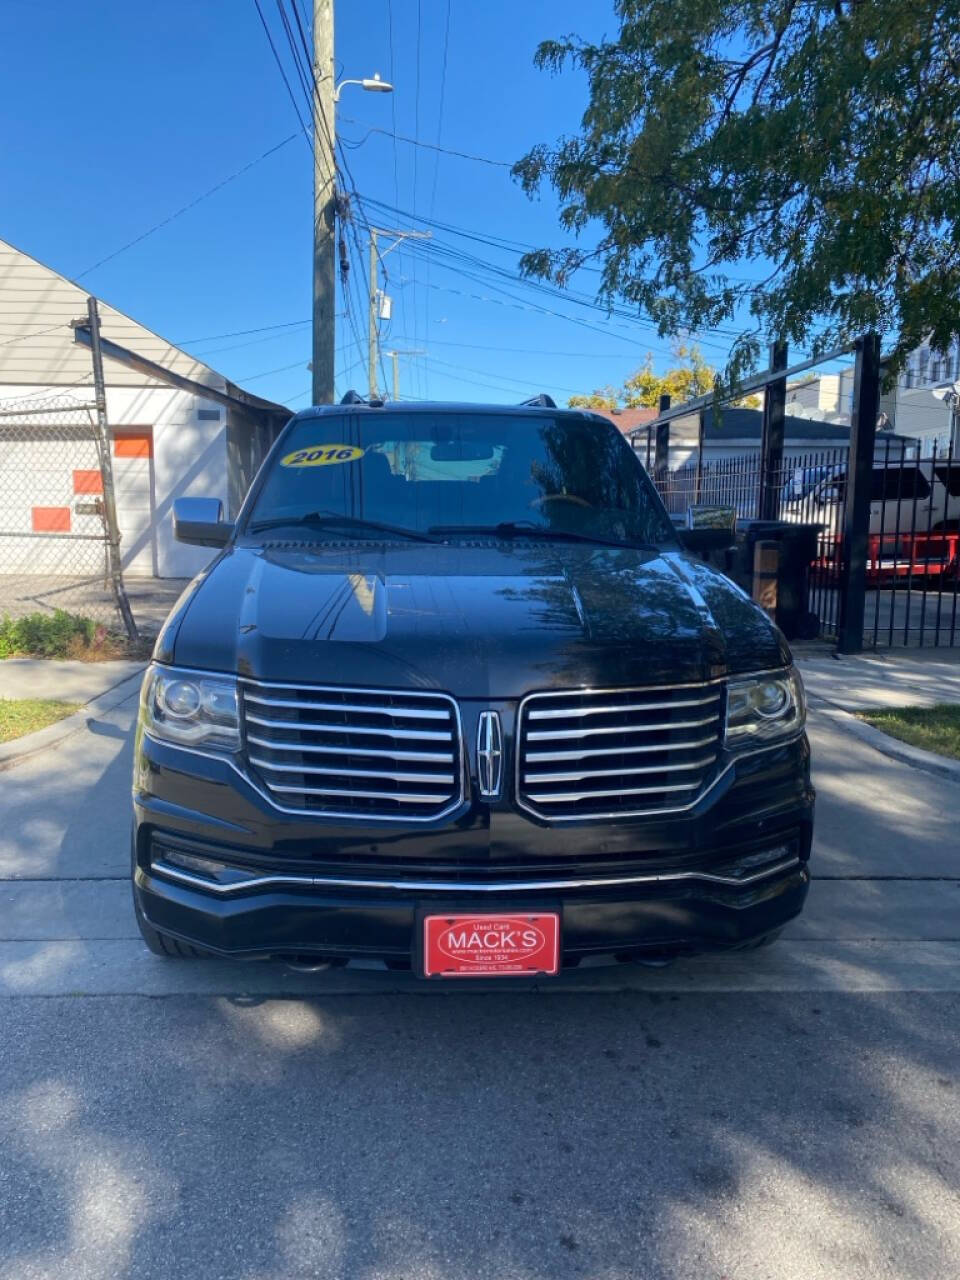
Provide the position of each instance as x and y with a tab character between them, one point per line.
709	528
200	522
702	541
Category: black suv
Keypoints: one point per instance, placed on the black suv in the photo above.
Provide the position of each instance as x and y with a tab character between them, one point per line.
454	697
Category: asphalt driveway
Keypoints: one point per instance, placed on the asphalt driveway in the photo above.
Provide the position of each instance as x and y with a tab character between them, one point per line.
786	1114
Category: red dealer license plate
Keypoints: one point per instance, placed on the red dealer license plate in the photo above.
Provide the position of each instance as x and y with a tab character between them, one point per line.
484	945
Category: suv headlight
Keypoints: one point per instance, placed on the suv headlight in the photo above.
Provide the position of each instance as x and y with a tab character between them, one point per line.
764	708
190	709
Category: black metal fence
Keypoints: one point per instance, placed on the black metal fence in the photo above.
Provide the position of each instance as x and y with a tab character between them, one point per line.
912	569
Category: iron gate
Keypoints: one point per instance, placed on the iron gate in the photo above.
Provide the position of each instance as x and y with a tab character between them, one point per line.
913	534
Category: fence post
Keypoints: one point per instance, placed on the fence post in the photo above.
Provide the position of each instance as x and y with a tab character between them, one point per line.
701	429
856	515
771	448
106	471
661	459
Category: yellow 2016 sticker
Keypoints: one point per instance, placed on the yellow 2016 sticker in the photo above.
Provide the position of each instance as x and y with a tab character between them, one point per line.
322	455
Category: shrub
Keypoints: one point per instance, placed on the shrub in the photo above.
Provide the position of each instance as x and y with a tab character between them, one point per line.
57	635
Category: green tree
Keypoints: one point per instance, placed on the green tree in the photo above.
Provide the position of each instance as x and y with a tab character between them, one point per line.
603	398
691	376
821	137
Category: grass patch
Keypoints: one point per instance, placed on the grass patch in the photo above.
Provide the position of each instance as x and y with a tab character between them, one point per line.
932	728
22	715
60	635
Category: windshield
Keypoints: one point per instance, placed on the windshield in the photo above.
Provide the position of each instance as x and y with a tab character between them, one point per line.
442	472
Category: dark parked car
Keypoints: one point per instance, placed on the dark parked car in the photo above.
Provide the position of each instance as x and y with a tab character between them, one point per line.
454	696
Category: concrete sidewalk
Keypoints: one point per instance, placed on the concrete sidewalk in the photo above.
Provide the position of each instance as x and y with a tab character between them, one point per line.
98	687
63	680
902	679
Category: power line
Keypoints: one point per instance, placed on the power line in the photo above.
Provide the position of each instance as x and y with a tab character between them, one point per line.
252	377
240	333
302	76
502	377
165	222
281	69
21	337
525	351
354	143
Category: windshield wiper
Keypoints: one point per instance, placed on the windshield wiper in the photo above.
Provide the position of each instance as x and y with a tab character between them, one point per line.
331	520
529	529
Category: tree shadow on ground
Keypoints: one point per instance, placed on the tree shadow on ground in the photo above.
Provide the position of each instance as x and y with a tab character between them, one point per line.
469	1136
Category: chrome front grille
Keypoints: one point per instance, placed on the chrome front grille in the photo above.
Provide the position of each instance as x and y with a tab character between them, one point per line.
617	752
356	753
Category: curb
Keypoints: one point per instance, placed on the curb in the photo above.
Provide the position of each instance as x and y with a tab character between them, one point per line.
31	744
916	757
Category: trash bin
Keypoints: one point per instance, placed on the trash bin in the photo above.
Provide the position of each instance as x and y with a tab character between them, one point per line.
798	549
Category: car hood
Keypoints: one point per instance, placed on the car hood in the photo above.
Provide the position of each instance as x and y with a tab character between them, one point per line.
485	620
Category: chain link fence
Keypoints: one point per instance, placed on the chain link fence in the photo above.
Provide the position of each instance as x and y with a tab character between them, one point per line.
54	531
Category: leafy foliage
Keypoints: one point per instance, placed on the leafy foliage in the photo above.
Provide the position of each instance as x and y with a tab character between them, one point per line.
692	376
603	398
56	635
820	135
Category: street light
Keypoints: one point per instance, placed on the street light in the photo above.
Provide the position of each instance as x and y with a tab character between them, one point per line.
372	85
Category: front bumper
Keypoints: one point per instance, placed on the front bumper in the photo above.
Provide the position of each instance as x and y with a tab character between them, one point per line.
726	874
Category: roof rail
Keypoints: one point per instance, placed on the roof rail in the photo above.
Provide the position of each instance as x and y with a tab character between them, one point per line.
541	401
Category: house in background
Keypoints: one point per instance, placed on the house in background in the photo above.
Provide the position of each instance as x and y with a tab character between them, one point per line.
737	433
166	441
911	408
627	420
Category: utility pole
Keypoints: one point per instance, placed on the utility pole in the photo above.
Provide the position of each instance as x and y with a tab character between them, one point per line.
111	527
395	357
374	310
324	204
373	318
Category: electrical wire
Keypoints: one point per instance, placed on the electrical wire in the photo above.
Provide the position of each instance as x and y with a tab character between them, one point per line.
355	143
165	222
21	337
281	69
252	377
502	377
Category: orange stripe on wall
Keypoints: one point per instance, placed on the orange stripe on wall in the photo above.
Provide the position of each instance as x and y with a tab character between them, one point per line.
87	482
133	444
50	519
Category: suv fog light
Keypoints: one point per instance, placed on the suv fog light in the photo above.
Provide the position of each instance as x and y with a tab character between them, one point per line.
750	864
163	858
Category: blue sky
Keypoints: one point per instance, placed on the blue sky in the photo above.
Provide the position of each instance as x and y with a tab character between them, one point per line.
115	115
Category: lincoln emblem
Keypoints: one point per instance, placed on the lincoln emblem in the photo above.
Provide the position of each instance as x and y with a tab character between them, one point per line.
489	753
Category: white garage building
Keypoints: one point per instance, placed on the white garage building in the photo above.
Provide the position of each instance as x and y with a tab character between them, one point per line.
204	437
